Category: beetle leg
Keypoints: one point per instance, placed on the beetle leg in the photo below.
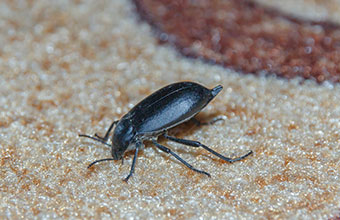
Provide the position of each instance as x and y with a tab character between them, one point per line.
167	150
212	121
198	144
106	137
132	170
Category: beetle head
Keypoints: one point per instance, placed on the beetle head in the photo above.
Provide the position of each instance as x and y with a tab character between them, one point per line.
123	137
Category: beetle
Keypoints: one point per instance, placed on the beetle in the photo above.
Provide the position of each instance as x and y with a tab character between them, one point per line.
154	116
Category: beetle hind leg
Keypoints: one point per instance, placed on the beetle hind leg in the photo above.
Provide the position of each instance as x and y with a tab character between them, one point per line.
167	150
198	144
210	122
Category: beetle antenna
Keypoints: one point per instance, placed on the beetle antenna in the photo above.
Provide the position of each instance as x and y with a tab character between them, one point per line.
97	161
96	139
106	137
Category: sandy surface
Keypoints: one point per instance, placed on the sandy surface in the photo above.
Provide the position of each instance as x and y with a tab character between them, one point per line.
69	68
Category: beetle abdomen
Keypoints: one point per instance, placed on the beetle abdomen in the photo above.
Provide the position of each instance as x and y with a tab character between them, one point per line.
170	106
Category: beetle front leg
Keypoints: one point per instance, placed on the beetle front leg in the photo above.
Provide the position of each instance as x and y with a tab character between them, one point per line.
167	150
132	170
198	144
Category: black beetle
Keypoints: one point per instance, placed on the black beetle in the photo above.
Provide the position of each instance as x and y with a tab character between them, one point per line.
154	116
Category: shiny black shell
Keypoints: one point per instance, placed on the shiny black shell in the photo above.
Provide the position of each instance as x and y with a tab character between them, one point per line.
169	106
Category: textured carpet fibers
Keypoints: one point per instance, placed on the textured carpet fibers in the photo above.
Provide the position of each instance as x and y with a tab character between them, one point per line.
70	67
248	37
